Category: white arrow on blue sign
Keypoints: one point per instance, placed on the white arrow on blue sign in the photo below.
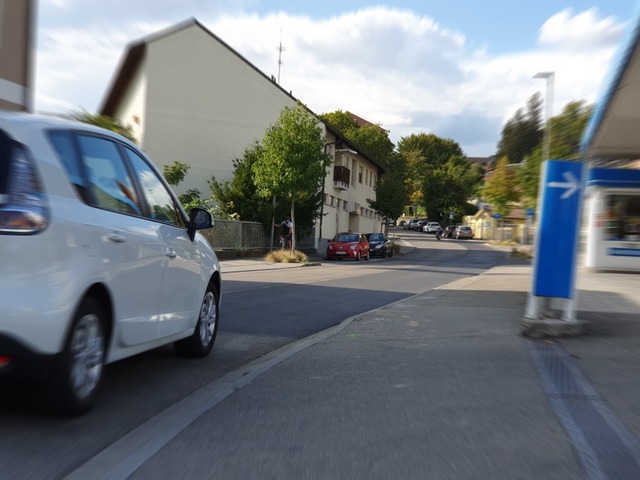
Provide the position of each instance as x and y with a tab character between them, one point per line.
559	219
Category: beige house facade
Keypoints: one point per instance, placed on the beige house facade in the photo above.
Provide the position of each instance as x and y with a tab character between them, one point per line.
349	184
190	97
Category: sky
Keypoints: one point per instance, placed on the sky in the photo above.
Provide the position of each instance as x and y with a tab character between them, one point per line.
459	69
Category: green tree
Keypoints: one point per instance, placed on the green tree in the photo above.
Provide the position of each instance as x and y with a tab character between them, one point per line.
238	198
292	164
500	188
567	130
566	136
341	121
433	150
448	188
522	133
105	121
391	192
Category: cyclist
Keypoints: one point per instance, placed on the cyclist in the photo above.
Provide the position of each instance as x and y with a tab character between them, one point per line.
286	229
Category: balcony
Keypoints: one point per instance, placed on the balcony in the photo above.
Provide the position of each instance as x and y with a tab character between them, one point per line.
341	177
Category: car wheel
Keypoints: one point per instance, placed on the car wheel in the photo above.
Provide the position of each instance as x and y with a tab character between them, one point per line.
359	256
73	386
204	335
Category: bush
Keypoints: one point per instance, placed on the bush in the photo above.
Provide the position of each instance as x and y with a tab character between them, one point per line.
285	256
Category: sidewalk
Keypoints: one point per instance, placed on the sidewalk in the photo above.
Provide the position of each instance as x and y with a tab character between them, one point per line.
436	386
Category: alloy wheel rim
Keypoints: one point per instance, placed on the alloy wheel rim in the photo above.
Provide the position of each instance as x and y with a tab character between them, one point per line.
87	355
208	318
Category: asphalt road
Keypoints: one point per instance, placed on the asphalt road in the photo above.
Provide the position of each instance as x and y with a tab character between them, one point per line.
261	312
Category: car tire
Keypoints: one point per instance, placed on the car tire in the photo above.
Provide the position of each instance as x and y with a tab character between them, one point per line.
77	375
200	343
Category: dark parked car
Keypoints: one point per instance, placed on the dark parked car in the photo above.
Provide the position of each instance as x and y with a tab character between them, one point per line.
449	231
418	225
379	245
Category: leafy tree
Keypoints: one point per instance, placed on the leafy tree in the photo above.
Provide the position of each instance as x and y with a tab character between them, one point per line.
390	189
566	136
500	188
448	188
433	150
174	174
105	121
292	164
238	198
567	130
342	121
522	133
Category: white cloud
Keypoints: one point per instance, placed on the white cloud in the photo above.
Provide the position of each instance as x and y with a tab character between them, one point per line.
387	65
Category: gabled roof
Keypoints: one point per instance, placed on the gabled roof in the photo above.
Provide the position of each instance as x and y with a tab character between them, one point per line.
134	55
136	51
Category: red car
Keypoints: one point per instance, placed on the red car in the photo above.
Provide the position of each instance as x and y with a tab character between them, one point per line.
348	245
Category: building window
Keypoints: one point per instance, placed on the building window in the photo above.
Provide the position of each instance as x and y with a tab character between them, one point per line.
360	172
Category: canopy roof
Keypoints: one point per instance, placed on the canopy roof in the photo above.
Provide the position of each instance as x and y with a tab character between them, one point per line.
613	132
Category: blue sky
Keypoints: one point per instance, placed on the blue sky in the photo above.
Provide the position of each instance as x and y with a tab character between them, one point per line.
459	69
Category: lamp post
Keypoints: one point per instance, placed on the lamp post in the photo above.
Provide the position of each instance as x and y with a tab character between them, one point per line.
548	104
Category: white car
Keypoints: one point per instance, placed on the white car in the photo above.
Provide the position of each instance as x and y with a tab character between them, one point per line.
431	227
99	260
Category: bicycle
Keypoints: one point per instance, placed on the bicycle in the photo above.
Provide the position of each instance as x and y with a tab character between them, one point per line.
285	242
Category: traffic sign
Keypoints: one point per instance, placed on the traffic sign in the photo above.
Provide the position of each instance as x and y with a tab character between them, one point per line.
556	247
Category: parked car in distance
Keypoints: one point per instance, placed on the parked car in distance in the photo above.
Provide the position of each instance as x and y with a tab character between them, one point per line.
379	245
449	231
463	231
409	224
431	227
348	245
419	225
100	261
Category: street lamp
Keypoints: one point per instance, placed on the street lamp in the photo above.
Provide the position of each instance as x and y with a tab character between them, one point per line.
548	103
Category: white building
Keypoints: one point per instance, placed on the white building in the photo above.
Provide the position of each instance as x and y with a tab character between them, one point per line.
190	97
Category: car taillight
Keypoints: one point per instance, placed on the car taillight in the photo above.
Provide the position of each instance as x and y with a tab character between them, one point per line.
23	208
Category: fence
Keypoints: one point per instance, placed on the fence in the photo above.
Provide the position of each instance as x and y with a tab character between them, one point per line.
234	235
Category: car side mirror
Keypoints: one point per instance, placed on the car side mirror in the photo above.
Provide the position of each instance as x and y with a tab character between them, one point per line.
199	219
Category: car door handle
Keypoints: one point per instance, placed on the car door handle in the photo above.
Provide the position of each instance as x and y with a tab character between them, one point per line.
116	237
171	253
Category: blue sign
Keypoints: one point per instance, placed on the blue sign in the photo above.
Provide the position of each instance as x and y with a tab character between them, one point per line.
559	219
497	216
530	212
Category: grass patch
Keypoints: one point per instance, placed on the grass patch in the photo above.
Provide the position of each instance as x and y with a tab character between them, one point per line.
285	256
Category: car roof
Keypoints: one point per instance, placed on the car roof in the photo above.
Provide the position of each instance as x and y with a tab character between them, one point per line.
21	121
